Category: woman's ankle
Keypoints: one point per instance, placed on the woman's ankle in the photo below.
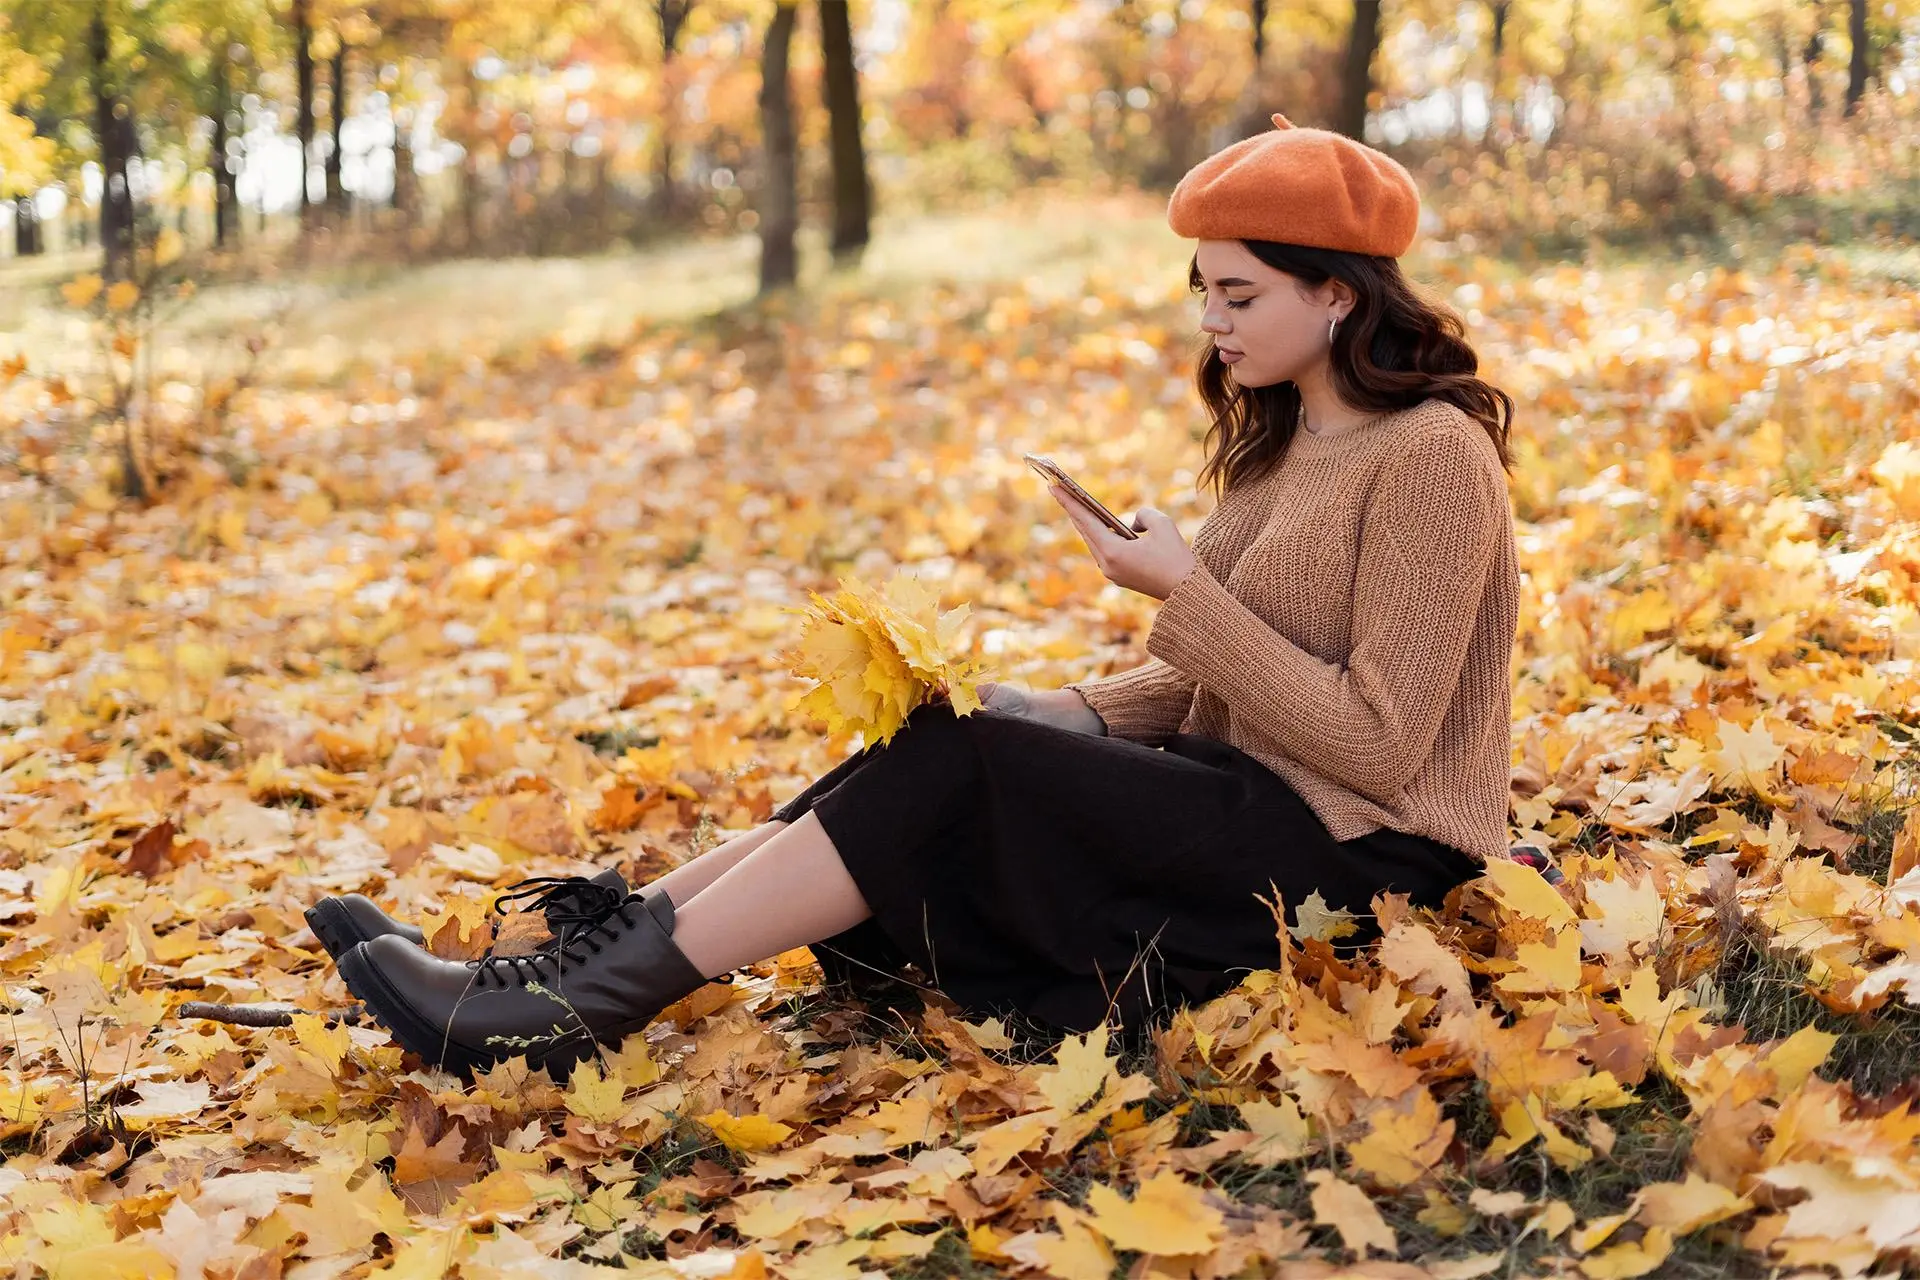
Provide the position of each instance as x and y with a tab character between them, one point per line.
685	881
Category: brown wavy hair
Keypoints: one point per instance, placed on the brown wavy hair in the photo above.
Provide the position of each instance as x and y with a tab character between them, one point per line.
1393	350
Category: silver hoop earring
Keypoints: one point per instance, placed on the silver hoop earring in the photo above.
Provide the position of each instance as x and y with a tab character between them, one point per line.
1330	324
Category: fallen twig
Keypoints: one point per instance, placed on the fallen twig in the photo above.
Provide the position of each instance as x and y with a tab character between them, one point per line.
265	1015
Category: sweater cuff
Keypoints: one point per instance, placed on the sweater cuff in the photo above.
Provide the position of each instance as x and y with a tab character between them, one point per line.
1144	704
1193	609
1125	715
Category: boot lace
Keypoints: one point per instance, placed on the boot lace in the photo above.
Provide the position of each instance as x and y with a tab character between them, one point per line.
579	916
551	894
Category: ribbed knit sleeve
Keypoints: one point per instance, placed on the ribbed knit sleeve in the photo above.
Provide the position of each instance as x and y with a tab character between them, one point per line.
1145	704
1148	703
1429	534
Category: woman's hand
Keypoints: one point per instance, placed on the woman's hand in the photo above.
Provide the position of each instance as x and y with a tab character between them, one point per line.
1152	564
1061	708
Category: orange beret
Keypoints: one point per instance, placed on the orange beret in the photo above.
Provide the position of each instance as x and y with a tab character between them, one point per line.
1299	186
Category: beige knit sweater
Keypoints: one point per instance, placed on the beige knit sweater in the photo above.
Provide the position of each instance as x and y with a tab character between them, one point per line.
1350	624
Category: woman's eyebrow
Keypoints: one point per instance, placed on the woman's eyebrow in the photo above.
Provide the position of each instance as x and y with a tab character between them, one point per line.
1230	281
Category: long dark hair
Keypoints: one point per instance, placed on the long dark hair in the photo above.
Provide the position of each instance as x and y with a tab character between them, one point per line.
1393	350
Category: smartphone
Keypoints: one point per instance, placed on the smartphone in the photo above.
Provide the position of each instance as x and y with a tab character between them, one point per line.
1050	471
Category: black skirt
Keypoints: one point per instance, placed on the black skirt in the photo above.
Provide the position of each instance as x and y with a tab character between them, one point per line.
1071	878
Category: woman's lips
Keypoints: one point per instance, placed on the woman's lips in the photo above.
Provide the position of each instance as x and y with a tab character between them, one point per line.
1228	357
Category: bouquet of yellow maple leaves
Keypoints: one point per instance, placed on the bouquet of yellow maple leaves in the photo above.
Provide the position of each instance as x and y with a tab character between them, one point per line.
878	654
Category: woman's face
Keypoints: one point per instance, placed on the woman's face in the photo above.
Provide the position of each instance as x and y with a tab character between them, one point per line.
1278	329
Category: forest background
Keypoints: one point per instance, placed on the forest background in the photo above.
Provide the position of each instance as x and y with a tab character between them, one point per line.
425	425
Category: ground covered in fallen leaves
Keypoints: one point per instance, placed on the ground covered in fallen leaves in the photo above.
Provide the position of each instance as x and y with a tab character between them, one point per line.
460	620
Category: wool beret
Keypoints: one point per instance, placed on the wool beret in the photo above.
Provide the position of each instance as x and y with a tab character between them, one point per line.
1299	186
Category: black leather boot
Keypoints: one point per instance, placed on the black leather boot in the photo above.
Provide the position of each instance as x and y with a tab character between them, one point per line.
607	976
345	920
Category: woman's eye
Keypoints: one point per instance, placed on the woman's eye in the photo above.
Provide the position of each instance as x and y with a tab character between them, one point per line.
1235	306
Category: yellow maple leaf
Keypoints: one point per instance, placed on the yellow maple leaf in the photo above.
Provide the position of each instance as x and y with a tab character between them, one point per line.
1522	1120
1316	921
995	1145
1524	891
1623	915
1681	1207
911	1120
416	1161
983	1243
1747	756
1339	1204
990	1034
1549	965
767	1215
1280	1131
746	1133
1402	1143
339	1220
460	928
1632	1258
878	655
328	1044
1166	1215
1079	1252
1793	1059
1411	953
1442	1214
74	1240
1083	1066
426	1257
602	1101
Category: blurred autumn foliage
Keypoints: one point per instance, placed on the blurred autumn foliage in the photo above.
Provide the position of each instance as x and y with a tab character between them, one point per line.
414	128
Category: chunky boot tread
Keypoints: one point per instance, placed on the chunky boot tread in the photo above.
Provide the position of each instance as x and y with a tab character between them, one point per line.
343	922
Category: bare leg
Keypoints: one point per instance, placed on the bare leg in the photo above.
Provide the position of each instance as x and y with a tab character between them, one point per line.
697	873
791	891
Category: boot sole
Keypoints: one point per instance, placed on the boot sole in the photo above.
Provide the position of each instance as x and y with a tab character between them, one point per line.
434	1046
334	926
339	932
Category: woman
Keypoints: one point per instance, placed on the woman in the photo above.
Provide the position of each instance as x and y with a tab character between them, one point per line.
1326	708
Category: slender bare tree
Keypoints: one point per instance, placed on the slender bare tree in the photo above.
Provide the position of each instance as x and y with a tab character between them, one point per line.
852	195
779	192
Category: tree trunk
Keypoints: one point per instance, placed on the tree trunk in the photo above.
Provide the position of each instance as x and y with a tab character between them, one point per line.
672	16
1810	58
780	196
225	221
851	192
111	133
303	68
404	198
26	228
470	168
1683	37
1356	78
1500	107
336	191
1857	66
1565	80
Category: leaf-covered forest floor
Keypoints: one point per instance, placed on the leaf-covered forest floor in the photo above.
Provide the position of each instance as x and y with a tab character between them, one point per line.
493	579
